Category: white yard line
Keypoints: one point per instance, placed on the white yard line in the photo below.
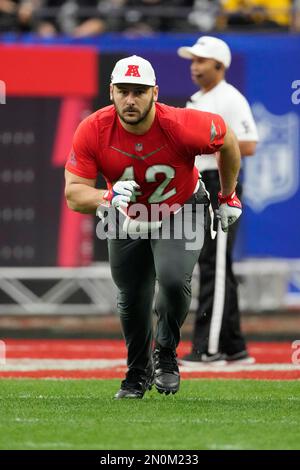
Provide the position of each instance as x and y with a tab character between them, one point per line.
241	367
60	364
24	365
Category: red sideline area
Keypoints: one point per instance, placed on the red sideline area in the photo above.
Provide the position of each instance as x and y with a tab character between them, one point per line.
49	71
276	353
266	353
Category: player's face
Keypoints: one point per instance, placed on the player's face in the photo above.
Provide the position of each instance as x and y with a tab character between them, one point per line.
133	102
204	72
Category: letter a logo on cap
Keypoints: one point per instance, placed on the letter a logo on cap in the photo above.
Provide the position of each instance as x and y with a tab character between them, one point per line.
133	71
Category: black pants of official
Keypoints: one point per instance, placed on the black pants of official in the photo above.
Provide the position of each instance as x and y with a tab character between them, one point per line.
231	339
135	266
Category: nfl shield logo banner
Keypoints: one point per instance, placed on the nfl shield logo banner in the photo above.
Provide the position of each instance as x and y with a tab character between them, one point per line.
272	175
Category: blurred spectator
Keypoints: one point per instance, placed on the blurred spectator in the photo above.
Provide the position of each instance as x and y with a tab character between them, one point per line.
111	11
27	19
204	14
8	15
70	20
149	20
18	15
257	13
296	16
81	18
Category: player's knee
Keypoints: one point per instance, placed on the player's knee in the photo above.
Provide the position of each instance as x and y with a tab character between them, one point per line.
175	285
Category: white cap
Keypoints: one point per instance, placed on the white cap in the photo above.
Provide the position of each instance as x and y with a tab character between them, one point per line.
209	48
135	70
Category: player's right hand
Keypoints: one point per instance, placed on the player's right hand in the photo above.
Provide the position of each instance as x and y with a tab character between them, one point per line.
121	193
230	209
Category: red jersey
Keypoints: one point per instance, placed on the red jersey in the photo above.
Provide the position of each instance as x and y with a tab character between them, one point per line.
161	161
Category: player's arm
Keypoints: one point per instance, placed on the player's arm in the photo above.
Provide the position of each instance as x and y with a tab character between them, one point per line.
218	138
247	148
208	133
81	194
229	162
81	173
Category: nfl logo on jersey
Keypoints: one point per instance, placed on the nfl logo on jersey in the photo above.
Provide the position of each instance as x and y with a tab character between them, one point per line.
138	147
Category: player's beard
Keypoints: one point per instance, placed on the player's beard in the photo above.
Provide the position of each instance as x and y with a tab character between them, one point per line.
140	117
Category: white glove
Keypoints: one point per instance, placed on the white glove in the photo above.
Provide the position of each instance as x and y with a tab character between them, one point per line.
230	209
121	193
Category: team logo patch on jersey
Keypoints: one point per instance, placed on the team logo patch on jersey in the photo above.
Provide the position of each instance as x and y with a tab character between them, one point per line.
72	158
132	71
138	147
271	176
213	131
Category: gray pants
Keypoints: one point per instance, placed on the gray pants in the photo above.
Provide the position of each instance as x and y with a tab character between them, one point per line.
135	265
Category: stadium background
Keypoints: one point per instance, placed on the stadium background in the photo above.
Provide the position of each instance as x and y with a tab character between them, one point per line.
52	84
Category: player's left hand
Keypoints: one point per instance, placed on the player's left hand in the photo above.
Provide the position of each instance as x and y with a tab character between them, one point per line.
230	209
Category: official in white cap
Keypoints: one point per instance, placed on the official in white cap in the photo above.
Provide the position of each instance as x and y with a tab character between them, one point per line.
217	336
209	48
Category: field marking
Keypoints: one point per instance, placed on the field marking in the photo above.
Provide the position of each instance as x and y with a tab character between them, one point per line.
52	359
27	364
264	353
60	364
241	367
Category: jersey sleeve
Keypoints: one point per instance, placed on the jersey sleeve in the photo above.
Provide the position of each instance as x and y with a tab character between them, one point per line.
241	120
206	131
81	160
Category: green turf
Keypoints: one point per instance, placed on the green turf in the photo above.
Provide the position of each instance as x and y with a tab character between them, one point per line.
205	414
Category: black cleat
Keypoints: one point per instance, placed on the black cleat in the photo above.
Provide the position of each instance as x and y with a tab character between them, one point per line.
197	358
166	372
135	384
241	357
